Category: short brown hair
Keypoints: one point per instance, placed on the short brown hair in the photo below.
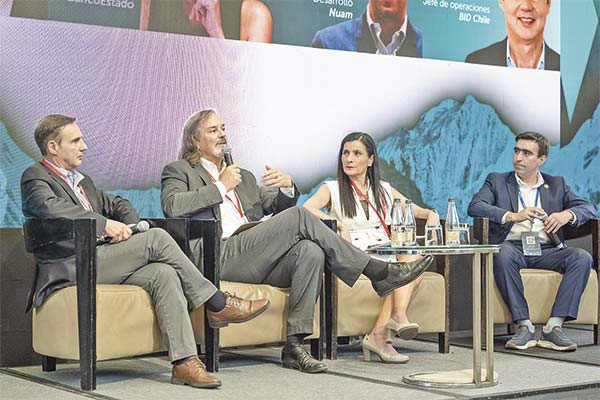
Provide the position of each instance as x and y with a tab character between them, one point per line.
542	142
49	128
191	134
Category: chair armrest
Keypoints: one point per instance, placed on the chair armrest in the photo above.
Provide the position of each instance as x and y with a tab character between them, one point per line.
572	232
40	233
481	230
592	227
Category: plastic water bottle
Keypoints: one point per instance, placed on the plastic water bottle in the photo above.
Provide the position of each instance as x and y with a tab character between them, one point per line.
452	224
410	225
397	228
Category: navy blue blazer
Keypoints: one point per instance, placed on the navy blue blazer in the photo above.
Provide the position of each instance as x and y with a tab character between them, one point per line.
499	194
355	35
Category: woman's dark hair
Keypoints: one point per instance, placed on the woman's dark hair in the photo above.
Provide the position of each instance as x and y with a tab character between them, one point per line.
346	192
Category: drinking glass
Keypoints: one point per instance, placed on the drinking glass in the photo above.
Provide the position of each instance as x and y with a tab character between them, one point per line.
433	235
463	230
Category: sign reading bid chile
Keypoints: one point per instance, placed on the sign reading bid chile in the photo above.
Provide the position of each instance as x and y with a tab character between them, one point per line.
133	71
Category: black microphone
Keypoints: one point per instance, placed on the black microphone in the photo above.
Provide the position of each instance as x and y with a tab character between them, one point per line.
553	236
227	155
141	226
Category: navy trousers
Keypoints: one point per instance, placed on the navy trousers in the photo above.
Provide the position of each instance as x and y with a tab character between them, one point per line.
575	265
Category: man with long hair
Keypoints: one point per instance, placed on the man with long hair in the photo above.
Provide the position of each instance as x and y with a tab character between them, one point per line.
289	250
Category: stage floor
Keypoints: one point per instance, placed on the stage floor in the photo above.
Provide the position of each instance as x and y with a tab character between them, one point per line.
256	374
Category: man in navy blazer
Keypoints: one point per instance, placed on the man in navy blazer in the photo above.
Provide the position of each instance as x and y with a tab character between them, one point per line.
383	28
516	204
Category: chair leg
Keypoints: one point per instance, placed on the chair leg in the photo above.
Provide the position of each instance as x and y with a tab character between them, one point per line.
211	343
331	310
49	363
443	343
596	334
316	348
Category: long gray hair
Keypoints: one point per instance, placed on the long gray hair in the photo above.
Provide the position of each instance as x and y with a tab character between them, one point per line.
191	134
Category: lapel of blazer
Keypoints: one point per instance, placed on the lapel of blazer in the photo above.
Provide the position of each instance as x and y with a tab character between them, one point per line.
242	193
511	186
364	43
203	173
545	195
90	192
409	47
63	184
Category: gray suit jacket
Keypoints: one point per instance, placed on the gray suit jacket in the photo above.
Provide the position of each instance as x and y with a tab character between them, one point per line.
45	195
187	191
499	195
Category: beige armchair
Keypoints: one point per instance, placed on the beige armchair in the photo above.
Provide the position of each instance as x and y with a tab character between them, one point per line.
353	311
541	285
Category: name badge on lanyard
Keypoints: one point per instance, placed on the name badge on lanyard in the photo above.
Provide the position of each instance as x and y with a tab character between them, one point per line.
531	240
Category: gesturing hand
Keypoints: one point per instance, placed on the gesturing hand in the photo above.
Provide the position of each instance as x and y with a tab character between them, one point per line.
118	231
276	178
208	13
230	177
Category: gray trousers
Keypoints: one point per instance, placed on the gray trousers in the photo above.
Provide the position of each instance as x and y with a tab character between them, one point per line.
154	261
291	250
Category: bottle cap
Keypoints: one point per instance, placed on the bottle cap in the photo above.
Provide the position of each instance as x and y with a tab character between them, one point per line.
451	199
408	201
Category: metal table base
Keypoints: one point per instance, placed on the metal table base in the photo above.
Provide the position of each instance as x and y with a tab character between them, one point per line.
477	376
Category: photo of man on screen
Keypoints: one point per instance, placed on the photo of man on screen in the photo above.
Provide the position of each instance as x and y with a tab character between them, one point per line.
524	45
383	28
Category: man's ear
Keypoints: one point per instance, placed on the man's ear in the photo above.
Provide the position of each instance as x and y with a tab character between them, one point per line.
51	147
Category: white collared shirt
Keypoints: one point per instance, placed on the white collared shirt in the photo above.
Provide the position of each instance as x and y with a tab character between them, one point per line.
540	65
73	178
230	217
528	194
397	39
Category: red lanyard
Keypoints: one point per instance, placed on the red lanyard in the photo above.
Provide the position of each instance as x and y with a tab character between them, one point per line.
238	206
366	198
87	206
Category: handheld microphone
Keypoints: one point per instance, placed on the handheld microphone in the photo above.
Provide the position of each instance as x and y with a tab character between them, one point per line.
141	226
553	236
227	155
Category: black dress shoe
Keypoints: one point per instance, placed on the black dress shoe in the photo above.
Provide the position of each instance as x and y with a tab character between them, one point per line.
296	357
400	274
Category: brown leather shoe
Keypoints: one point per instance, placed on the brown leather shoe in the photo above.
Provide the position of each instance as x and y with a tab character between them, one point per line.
237	310
193	372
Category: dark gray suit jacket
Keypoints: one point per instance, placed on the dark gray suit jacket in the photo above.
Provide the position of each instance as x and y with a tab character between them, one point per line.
45	195
495	54
499	194
187	191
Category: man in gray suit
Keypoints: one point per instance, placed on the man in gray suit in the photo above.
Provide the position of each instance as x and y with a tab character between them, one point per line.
53	188
289	250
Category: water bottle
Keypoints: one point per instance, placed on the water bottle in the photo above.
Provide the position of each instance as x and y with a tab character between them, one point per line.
410	225
452	224
396	229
